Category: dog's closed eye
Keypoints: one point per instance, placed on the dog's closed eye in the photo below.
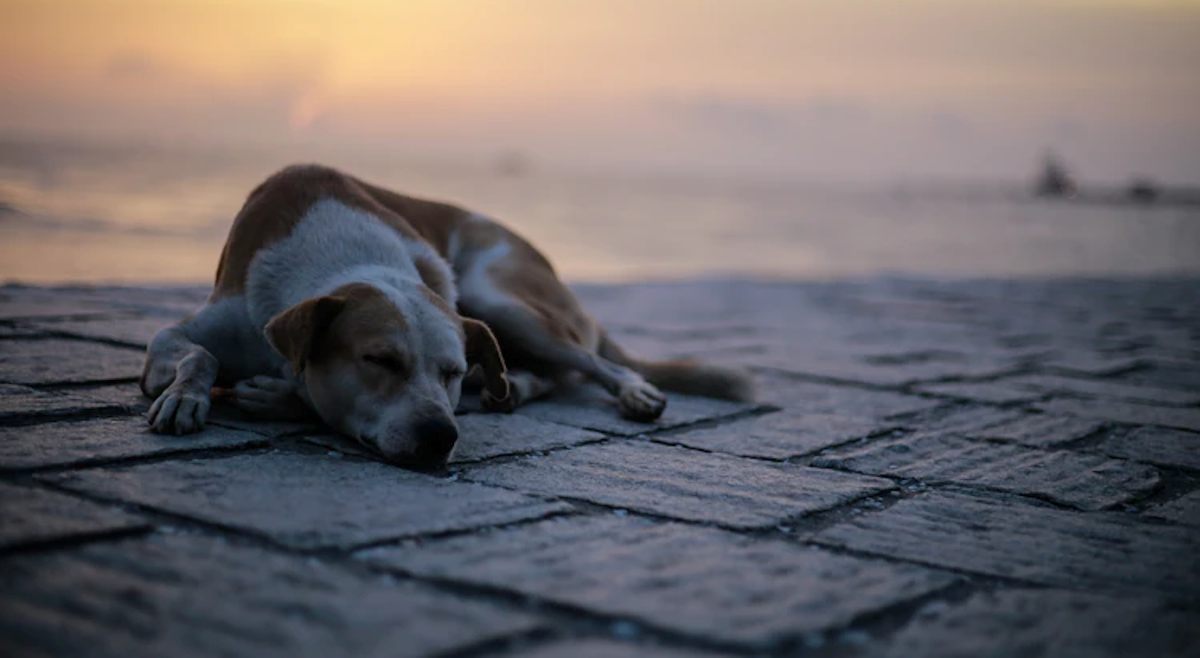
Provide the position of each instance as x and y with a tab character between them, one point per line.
389	362
449	375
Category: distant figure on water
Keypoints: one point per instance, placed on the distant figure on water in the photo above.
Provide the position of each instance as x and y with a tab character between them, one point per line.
1054	181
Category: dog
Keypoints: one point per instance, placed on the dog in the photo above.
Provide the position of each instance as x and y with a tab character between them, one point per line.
364	308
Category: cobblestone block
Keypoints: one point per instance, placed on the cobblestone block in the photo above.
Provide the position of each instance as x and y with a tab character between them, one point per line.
1185	509
779	435
1175	448
57	361
1043	430
1089	482
37	515
809	397
590	407
1127	412
105	439
699	581
598	648
24	402
682	484
997	392
988	535
135	331
189	595
1107	389
1052	624
310	501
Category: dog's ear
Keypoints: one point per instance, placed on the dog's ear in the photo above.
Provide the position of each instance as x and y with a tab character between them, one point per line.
484	351
296	331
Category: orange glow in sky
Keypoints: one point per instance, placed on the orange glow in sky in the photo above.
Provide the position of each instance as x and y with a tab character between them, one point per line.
844	87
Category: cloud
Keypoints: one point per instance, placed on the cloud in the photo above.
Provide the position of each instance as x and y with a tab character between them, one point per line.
134	66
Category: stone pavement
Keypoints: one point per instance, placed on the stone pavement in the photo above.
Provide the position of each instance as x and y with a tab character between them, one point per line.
936	468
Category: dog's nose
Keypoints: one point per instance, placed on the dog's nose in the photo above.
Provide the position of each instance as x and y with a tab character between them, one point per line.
435	438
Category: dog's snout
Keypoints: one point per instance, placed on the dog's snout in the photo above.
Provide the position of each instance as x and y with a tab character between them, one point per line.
436	437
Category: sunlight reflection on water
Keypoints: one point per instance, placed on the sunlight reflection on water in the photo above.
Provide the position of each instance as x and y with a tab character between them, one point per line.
74	214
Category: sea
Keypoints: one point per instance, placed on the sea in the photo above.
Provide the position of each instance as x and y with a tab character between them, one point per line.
123	213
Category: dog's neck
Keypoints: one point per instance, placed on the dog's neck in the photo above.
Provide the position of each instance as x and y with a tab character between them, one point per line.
332	246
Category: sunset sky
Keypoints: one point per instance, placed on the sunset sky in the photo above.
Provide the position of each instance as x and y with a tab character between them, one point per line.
824	89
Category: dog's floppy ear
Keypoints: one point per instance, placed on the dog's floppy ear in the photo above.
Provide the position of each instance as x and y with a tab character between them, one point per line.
294	332
484	351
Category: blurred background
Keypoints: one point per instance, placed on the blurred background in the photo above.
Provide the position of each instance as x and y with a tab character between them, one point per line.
630	139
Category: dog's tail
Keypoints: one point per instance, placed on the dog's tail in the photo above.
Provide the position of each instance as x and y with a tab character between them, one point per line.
688	376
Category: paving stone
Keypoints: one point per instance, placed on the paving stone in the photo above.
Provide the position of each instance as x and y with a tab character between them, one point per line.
1005	538
136	331
37	515
1089	482
18	402
699	581
1107	389
1044	430
682	484
997	392
1168	374
11	331
802	396
126	394
590	407
601	648
967	420
892	371
1158	446
1185	509
185	595
104	439
1050	624
21	302
1127	412
1092	364
57	361
779	435
310	501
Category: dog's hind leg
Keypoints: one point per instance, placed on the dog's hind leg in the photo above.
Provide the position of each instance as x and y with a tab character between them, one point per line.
544	325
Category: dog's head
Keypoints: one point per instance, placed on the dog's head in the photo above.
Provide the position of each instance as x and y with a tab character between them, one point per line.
386	368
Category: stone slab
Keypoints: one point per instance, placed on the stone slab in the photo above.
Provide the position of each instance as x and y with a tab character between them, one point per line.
1089	482
126	394
1108	389
60	361
36	515
1049	624
602	648
22	402
997	392
184	595
964	420
308	500
484	436
106	439
136	331
1005	538
699	581
1127	412
1043	430
779	435
680	483
1185	509
592	408
810	397
1175	448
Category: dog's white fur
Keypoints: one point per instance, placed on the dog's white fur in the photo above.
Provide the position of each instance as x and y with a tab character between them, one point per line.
340	298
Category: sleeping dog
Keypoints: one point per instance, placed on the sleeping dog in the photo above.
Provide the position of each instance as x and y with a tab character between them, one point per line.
365	307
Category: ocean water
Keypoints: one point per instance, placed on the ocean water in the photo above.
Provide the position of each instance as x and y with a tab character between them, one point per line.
130	214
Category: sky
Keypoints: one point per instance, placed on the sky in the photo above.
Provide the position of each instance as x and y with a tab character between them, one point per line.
816	89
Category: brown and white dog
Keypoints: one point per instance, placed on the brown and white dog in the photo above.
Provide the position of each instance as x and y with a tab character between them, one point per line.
338	297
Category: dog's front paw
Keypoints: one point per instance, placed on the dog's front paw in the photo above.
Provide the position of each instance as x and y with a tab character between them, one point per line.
181	409
641	402
268	398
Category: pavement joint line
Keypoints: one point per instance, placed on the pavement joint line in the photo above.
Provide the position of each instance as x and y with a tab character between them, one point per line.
114	410
91	383
504	644
209	452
